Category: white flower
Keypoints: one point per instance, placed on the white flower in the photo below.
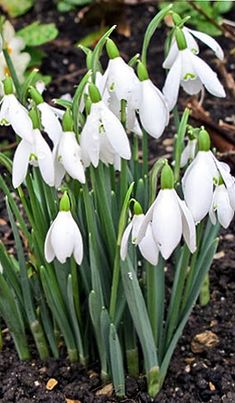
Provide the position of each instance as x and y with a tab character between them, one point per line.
198	183
228	179
170	219
188	152
147	246
69	157
15	45
15	114
63	239
103	137
153	110
191	72
222	206
192	46
50	122
37	154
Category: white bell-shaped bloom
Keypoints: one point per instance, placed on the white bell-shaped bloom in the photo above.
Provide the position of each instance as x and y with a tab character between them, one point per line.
63	239
69	156
15	44
37	154
50	122
14	113
103	137
191	72
192	46
147	245
222	206
198	183
228	179
170	219
153	109
189	152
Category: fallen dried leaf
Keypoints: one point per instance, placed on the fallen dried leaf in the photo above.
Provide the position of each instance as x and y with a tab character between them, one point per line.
3	222
219	255
212	386
72	401
203	341
107	390
51	384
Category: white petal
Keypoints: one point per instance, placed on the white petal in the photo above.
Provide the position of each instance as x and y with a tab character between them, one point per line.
115	132
62	236
189	231
197	185
50	122
188	152
78	245
124	242
148	247
191	43
90	137
172	55
58	168
20	120
70	153
48	248
208	77
209	41
167	222
172	83
20	163
137	222
147	218
231	195
45	158
153	110
222	205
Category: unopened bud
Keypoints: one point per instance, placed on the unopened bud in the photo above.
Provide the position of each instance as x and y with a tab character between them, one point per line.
137	208
180	39
67	121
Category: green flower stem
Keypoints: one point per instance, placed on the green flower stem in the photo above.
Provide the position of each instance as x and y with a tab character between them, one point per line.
145	152
155	280
75	286
204	296
135	154
177	293
12	72
179	142
124	166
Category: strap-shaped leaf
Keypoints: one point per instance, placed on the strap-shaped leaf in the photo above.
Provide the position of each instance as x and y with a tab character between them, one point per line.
116	362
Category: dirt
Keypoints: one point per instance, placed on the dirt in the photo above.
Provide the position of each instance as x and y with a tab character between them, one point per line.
206	376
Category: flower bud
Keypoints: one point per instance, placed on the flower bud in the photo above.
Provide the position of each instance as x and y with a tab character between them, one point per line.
67	121
167	177
180	39
204	142
35	117
36	96
8	86
112	49
94	93
65	202
137	208
142	71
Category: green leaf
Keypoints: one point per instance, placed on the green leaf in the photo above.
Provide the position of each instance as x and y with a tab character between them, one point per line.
37	34
37	56
223	7
15	8
98	49
116	359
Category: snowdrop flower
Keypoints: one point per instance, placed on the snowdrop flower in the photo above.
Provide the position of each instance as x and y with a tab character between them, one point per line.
15	114
68	153
192	46
37	154
49	119
169	217
198	180
64	237
14	45
147	245
191	72
153	109
222	206
103	136
189	152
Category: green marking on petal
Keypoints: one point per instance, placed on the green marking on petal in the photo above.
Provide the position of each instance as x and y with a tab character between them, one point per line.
33	157
189	76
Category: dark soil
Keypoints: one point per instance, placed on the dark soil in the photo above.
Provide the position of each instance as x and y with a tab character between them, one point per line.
208	376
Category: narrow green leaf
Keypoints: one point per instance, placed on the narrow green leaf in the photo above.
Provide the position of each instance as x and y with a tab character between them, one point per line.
98	49
116	362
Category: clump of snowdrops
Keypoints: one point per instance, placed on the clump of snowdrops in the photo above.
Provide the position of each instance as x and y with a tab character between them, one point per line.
95	228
